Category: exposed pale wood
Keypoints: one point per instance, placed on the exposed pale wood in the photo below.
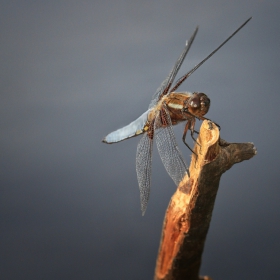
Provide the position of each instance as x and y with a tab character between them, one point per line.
188	215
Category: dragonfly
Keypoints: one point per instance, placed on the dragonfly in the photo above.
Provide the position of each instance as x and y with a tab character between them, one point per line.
166	109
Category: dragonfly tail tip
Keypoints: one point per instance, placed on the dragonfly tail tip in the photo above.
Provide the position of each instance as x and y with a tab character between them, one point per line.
143	210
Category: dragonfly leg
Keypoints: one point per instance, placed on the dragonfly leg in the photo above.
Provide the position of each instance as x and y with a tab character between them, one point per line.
203	118
217	125
195	131
192	131
187	127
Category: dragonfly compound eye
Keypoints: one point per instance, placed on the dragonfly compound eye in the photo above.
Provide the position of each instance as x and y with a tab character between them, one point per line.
205	101
194	101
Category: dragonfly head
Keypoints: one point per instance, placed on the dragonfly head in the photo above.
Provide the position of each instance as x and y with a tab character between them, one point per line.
198	104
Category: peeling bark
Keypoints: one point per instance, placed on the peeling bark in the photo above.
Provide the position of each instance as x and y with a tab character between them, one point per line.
188	215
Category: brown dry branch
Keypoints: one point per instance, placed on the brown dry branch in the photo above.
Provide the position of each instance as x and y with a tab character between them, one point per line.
188	215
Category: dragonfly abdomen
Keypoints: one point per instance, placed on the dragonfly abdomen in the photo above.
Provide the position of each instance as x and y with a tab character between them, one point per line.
135	128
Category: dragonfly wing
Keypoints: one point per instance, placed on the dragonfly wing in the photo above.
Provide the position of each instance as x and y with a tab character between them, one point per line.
144	169
133	129
159	91
166	84
169	151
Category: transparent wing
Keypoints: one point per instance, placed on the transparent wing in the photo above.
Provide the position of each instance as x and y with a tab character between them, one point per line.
166	84
168	149
144	169
183	78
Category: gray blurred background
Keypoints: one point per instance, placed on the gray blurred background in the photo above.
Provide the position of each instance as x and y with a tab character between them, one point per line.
73	71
